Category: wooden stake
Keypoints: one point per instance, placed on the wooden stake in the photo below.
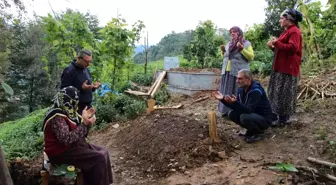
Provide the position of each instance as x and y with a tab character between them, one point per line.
213	126
151	104
45	177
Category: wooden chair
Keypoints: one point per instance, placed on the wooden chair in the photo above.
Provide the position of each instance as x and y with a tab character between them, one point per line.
47	171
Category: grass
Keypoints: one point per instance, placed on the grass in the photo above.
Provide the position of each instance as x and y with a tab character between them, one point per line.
23	138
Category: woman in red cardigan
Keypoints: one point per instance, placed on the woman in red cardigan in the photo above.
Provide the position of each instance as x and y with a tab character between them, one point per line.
282	88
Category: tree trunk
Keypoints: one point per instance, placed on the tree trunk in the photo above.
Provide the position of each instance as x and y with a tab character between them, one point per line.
114	71
5	178
31	97
146	61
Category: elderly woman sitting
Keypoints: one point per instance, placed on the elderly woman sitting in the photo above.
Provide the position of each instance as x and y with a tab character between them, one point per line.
65	142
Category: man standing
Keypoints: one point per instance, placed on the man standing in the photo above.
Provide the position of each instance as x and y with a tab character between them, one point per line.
78	75
251	109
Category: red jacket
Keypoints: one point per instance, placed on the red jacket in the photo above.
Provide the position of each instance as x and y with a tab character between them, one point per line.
288	52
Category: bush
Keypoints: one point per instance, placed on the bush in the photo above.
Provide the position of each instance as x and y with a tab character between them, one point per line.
113	107
162	95
142	79
24	137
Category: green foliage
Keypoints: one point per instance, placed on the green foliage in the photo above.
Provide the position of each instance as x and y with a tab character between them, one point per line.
67	33
203	50
112	107
162	96
117	46
7	88
284	167
142	79
23	138
273	11
263	58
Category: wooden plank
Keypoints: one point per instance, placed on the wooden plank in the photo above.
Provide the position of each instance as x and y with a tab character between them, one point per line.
153	86
168	107
163	74
137	93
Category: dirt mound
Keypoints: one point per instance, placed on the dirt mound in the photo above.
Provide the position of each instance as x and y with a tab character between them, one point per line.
166	144
195	70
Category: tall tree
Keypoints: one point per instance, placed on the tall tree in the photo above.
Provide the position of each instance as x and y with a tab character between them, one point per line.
273	11
118	46
203	49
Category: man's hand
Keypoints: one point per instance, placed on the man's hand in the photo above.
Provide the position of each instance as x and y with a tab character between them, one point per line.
88	116
240	46
85	86
230	99
218	95
97	84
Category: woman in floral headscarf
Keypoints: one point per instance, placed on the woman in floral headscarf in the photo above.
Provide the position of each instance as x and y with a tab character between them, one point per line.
237	55
282	88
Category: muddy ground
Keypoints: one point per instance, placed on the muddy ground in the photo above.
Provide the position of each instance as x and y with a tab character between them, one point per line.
171	147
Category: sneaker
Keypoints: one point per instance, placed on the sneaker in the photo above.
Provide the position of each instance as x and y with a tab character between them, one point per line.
224	115
254	138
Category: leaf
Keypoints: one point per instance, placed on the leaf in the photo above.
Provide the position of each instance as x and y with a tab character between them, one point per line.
284	167
70	175
331	142
290	168
7	88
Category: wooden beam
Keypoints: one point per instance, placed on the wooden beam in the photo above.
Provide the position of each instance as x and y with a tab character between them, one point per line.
163	74
168	107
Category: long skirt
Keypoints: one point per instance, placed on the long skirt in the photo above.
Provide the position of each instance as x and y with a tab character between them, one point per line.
282	93
94	162
228	86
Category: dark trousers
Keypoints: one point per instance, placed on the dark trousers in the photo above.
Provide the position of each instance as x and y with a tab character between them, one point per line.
254	123
94	161
81	107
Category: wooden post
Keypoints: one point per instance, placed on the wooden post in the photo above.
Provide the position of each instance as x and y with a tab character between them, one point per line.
45	177
150	104
5	177
79	178
213	127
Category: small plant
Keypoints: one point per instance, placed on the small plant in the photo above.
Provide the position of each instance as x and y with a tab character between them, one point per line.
284	167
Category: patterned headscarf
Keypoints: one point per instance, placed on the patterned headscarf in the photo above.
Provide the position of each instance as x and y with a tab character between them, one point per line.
233	44
67	100
293	15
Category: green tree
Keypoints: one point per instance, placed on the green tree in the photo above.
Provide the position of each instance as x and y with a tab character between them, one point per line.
203	49
273	11
117	47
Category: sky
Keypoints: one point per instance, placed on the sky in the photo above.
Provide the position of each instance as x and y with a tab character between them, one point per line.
162	17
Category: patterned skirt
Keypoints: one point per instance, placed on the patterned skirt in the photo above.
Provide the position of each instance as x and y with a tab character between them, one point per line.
282	93
228	86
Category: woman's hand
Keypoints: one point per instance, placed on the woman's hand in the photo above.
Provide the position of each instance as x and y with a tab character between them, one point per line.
222	47
240	46
88	116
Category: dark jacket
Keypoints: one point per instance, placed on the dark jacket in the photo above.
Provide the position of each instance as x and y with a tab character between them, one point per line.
254	100
75	75
288	52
